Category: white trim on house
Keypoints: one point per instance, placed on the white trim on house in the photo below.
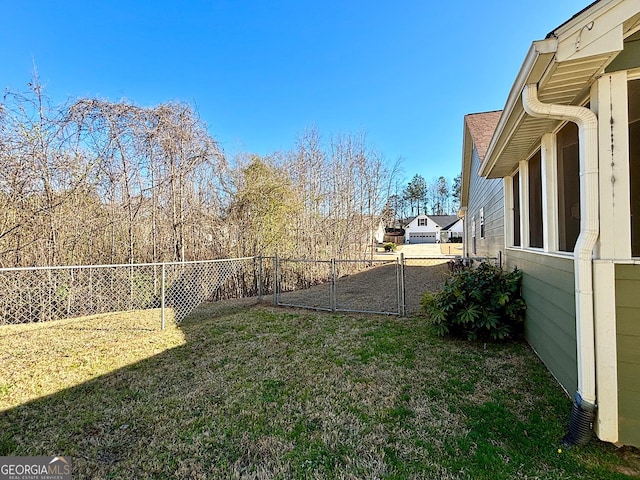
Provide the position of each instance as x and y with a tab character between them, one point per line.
507	185
549	166
606	350
633	74
524	203
610	102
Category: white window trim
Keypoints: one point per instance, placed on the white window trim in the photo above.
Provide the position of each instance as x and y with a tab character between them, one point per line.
633	74
507	185
524	204
549	165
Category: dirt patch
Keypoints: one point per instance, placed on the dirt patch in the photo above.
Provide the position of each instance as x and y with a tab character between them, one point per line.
375	289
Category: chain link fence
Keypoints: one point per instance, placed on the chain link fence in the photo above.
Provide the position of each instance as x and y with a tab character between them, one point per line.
365	286
392	286
51	293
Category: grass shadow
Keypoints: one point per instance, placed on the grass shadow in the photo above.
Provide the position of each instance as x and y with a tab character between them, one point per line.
258	392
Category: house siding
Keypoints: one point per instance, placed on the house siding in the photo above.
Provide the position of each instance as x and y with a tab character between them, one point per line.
627	339
487	194
550	322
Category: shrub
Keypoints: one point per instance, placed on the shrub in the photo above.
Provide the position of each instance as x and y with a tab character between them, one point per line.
389	247
478	304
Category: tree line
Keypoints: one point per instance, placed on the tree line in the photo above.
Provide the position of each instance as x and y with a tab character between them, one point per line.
437	197
99	182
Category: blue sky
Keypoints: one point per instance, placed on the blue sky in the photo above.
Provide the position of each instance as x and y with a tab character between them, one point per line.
261	72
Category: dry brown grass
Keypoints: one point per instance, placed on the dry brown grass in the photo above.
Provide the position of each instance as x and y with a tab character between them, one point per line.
41	359
255	392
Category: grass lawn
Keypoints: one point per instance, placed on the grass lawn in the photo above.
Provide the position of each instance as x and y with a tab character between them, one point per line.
258	392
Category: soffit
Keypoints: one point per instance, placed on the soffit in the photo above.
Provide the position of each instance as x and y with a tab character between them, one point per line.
566	83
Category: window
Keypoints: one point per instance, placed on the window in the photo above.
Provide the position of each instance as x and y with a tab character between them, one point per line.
568	187
516	210
473	236
482	222
536	231
422	222
634	164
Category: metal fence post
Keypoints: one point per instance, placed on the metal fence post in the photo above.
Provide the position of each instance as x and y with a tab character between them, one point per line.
398	289
332	286
403	311
275	279
260	278
162	296
131	303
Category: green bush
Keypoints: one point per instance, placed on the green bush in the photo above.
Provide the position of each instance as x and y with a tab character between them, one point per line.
478	304
389	247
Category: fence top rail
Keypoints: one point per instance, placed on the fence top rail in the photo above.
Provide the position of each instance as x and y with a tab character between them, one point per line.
310	260
480	259
302	260
450	257
369	261
431	257
125	265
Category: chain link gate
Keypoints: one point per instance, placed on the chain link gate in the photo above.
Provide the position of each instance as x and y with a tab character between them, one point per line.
362	286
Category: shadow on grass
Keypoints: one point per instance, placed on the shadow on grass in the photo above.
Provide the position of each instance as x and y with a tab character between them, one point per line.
258	392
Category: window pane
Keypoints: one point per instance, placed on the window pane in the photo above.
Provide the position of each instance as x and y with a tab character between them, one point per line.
535	202
568	187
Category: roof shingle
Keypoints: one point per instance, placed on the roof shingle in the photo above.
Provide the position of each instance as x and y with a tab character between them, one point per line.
481	127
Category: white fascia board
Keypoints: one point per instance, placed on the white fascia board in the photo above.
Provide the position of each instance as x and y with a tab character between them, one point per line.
536	63
599	30
591	42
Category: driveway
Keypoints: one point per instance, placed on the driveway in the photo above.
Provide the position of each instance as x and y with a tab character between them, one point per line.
418	250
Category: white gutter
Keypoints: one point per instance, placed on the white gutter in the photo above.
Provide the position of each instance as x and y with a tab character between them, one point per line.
587	123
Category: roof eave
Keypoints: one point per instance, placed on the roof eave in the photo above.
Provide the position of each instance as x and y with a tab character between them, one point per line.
564	67
539	58
467	153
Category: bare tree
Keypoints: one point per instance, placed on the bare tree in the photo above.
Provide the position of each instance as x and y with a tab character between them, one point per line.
112	182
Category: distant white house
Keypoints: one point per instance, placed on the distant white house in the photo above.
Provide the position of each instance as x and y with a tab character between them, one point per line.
432	228
378	233
456	229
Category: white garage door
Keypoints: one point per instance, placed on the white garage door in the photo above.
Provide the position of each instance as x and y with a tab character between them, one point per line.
422	238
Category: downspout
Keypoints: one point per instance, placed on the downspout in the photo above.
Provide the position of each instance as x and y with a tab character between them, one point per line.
583	412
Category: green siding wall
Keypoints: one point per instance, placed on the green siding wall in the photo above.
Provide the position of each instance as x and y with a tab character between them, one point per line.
628	347
550	323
